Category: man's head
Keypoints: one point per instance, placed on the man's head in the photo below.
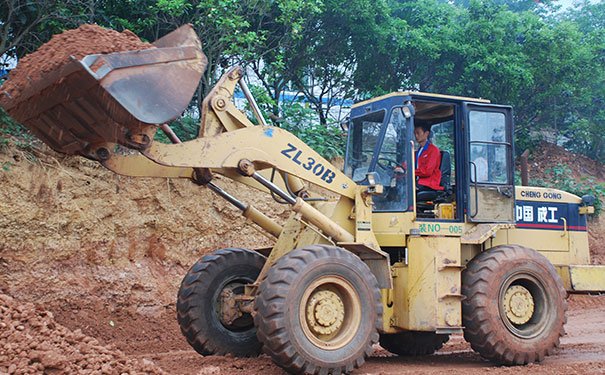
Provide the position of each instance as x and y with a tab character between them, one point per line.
422	133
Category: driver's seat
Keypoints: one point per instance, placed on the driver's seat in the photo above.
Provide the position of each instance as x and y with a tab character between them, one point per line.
446	174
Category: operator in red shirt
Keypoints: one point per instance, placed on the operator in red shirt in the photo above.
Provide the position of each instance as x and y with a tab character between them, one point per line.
428	160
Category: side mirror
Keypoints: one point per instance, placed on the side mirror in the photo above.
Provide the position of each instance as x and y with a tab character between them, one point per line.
587	207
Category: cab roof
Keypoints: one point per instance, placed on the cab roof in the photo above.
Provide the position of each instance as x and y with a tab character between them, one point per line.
419	95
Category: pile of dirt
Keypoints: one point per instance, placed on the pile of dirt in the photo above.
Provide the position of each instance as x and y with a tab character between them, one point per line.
31	341
85	40
106	254
547	156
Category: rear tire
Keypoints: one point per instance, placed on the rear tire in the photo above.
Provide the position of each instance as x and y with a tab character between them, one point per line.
515	305
198	303
318	311
413	343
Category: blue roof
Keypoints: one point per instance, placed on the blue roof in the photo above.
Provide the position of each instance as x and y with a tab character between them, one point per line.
302	99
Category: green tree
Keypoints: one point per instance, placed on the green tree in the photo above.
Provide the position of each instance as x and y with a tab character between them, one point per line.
276	60
550	66
586	108
334	50
26	24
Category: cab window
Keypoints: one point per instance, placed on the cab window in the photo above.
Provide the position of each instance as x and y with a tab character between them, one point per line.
488	148
364	134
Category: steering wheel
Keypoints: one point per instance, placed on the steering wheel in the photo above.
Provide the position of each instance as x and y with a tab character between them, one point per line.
386	163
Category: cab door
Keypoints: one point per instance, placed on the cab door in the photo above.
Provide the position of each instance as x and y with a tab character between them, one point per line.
489	163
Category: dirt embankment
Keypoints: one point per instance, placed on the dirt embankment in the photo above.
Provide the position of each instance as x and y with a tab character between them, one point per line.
584	170
115	234
106	254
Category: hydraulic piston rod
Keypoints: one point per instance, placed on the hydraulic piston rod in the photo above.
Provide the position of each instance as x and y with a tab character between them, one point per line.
257	113
308	212
249	212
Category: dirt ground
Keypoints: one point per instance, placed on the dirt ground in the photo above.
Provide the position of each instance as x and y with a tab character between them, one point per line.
90	264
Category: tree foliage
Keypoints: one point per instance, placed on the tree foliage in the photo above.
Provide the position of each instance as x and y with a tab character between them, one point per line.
549	64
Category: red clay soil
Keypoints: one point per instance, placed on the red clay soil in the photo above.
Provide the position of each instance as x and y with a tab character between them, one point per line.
159	343
105	255
85	40
31	341
549	155
587	171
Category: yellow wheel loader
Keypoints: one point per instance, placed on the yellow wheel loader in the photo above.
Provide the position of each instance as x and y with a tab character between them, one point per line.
381	262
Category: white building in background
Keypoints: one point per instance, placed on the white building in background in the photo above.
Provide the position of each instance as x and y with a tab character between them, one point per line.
339	108
338	111
6	64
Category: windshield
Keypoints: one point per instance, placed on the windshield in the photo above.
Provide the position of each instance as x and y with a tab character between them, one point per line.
363	136
368	136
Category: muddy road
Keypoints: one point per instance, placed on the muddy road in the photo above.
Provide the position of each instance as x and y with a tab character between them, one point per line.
157	340
582	352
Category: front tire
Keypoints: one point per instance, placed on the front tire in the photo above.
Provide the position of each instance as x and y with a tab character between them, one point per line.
199	303
318	311
515	305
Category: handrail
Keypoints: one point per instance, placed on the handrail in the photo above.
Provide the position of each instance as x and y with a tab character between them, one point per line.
476	190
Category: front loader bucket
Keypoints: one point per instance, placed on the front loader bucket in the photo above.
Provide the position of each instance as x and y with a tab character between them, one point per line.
107	97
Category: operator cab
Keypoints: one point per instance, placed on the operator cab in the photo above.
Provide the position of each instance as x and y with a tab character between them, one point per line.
475	160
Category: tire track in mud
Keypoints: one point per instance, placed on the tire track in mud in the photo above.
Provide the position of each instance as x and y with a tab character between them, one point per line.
582	351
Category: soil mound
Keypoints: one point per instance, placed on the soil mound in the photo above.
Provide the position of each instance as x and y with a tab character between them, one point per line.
549	156
106	254
126	241
85	40
31	341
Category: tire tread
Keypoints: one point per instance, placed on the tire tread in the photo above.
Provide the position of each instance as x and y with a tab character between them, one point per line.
475	283
269	320
193	326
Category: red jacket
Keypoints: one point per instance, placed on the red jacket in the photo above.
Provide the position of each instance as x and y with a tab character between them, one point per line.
428	171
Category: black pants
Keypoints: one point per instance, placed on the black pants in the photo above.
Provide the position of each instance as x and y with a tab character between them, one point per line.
423	188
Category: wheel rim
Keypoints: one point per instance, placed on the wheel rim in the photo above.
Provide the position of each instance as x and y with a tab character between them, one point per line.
518	304
524	305
234	287
330	312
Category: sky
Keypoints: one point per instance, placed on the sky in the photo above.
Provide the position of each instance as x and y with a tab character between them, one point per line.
567	4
